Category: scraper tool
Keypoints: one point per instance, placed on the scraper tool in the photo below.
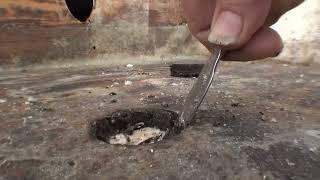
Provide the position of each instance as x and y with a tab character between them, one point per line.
200	88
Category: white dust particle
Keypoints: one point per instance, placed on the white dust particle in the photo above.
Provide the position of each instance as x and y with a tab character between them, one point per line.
129	65
3	100
128	83
274	120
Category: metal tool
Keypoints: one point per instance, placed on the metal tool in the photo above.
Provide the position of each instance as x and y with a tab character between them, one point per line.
200	88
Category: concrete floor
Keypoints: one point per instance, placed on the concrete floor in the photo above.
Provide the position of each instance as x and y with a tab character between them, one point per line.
259	121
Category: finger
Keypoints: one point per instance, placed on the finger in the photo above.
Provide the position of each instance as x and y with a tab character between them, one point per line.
235	21
198	14
265	43
280	7
202	36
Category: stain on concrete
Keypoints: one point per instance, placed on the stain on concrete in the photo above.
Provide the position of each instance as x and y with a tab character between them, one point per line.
3	11
286	161
22	169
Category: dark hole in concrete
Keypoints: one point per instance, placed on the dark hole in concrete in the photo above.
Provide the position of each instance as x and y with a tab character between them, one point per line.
71	163
80	9
186	70
112	94
151	96
114	101
128	125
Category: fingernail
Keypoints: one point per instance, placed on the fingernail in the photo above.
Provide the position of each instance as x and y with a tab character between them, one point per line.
280	51
227	28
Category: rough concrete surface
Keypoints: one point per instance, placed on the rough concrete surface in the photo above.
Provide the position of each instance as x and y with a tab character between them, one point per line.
258	121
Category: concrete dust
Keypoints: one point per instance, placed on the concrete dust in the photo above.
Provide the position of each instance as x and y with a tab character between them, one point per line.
138	137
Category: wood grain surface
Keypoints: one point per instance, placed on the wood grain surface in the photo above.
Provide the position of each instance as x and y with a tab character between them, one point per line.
34	31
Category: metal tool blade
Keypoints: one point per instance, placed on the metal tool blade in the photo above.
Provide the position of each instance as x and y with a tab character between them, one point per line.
200	88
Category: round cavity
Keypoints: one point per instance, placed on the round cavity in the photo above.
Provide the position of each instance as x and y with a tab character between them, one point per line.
80	9
136	126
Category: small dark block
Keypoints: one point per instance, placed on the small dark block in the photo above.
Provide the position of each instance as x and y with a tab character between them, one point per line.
186	70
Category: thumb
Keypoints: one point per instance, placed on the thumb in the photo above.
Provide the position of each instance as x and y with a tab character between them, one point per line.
236	21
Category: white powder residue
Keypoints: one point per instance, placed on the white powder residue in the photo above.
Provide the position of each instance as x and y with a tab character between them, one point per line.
138	136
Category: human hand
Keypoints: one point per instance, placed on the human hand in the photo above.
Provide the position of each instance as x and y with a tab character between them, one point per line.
242	27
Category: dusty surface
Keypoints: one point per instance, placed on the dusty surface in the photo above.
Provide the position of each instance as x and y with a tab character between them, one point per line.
259	121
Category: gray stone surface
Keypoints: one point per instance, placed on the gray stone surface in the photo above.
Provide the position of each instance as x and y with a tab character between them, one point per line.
259	121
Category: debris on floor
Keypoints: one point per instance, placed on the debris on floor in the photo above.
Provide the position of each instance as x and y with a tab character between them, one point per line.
129	65
127	83
3	100
138	137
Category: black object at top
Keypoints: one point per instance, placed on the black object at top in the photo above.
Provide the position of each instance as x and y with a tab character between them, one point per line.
80	9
